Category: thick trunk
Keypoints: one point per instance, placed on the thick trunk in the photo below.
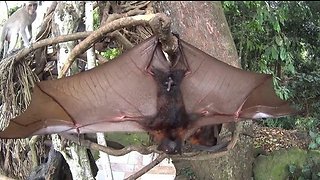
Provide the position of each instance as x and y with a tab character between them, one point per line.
204	25
66	21
55	168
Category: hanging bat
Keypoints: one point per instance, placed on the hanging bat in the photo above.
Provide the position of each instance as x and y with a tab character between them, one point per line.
142	91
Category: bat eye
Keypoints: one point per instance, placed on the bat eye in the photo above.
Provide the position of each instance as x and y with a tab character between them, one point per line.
170	146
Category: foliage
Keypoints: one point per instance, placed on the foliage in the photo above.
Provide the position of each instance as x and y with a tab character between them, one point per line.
128	139
281	38
96	19
111	53
283	122
277	165
12	10
310	170
315	140
188	173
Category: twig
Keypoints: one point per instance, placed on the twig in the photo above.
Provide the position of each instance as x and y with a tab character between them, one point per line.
46	22
123	40
113	17
101	59
129	7
54	40
147	150
147	167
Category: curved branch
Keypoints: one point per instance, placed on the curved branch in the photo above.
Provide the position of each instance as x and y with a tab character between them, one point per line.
147	167
161	25
54	40
108	150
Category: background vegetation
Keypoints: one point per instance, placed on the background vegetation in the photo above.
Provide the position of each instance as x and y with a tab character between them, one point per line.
282	38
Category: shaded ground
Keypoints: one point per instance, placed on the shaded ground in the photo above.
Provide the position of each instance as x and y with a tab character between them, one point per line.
269	139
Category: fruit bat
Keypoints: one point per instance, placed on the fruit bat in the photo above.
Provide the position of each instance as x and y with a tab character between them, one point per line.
142	90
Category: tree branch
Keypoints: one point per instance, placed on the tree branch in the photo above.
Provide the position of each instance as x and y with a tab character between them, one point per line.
54	40
147	167
123	40
111	151
107	28
161	25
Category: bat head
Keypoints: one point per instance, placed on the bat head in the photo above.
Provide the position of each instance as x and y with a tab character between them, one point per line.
170	142
170	146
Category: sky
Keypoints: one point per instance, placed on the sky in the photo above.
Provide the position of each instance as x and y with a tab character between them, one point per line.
10	5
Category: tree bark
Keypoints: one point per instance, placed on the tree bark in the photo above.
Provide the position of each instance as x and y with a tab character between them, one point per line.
203	24
66	21
55	168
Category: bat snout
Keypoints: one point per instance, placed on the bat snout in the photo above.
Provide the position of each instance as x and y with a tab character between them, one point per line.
170	146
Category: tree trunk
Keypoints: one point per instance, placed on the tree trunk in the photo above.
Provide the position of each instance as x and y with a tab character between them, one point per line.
203	24
105	165
66	21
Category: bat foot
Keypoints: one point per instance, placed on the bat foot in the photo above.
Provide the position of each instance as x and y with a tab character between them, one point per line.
216	148
149	71
205	113
187	72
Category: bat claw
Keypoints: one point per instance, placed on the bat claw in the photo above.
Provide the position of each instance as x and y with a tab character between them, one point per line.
149	71
187	73
205	113
215	148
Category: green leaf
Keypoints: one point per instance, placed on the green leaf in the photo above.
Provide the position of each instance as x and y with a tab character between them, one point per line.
312	134
274	53
318	140
279	40
306	171
276	26
290	68
267	52
281	19
292	168
313	145
283	53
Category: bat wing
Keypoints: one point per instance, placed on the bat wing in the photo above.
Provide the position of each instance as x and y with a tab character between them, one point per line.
115	96
221	93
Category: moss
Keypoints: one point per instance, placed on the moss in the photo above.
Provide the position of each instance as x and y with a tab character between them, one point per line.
275	165
129	138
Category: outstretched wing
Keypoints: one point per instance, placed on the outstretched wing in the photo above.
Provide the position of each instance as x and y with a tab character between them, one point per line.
115	96
222	93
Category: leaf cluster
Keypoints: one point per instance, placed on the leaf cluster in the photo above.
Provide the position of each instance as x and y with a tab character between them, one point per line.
315	140
111	53
12	10
281	38
310	170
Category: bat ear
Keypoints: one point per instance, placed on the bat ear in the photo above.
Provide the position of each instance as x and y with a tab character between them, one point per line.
176	35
